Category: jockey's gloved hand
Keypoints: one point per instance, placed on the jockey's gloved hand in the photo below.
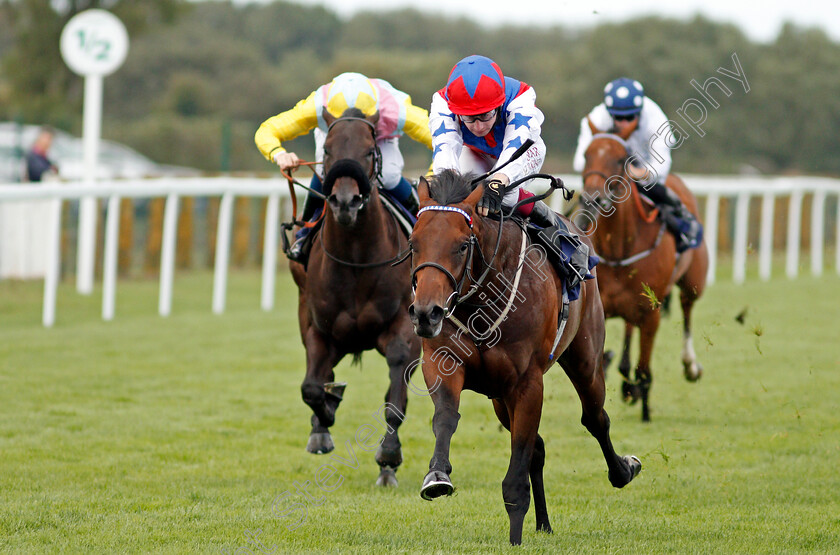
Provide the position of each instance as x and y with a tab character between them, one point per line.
491	200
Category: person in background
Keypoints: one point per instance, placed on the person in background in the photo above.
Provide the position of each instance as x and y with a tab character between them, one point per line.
37	162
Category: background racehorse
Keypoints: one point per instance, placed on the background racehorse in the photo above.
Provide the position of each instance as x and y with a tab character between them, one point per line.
451	250
639	262
350	298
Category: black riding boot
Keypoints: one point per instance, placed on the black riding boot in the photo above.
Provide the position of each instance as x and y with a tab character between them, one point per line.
679	221
568	249
412	203
299	251
543	216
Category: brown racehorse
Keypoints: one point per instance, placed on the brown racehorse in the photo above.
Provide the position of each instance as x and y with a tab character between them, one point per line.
351	299
456	300
639	262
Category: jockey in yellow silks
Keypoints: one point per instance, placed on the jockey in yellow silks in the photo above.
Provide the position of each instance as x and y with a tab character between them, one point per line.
397	115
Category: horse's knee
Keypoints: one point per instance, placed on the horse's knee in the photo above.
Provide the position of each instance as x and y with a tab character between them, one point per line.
398	354
312	393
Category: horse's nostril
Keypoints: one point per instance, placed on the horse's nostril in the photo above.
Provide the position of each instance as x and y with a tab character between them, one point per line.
411	313
435	315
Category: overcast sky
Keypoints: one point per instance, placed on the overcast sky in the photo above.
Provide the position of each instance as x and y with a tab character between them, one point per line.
759	20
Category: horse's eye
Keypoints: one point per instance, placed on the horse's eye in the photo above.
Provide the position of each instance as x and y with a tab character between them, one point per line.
464	248
326	152
372	152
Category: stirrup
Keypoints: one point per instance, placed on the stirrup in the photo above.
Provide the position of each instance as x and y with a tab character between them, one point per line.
299	250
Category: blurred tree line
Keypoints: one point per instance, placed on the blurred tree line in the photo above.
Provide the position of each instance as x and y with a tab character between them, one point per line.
201	76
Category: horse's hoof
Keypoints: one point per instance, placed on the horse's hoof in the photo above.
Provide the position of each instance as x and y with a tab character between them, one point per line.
320	443
630	392
634	466
389	457
436	484
693	371
387	477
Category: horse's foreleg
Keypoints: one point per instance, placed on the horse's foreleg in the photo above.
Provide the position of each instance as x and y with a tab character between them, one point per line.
446	395
535	472
402	352
320	359
525	406
580	363
644	377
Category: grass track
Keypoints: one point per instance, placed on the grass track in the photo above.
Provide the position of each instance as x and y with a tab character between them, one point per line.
177	434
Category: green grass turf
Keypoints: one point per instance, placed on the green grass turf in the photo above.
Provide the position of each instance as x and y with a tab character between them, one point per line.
151	434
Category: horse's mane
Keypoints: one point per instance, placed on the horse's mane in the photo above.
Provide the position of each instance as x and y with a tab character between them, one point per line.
450	187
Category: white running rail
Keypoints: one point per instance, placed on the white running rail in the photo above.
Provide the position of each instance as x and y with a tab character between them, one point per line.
713	189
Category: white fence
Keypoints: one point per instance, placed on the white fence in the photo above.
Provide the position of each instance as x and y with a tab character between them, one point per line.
712	188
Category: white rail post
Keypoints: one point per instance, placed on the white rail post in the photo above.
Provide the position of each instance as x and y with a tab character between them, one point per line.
109	265
88	206
817	232
53	263
269	268
222	252
167	254
793	233
739	259
711	224
765	255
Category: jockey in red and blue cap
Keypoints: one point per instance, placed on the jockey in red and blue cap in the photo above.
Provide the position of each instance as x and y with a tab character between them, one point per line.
477	121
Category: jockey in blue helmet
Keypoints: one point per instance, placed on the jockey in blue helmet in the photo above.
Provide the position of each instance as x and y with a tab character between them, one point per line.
477	121
627	112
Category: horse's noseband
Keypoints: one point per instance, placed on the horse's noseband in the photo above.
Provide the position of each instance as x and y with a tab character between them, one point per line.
457	284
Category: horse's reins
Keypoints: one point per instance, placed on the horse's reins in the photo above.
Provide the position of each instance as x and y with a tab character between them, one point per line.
634	192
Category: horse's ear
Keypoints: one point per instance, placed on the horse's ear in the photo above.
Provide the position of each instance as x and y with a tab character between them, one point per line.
373	118
629	130
475	196
592	127
328	117
423	193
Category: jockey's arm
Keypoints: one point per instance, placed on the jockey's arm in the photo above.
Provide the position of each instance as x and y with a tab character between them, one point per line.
650	139
447	141
283	127
524	121
417	125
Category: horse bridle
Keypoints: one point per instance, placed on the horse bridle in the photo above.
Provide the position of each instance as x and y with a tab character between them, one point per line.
376	171
455	297
606	203
376	166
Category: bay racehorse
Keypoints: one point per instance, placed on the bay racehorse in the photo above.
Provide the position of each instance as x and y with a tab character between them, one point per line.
351	298
639	261
487	304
